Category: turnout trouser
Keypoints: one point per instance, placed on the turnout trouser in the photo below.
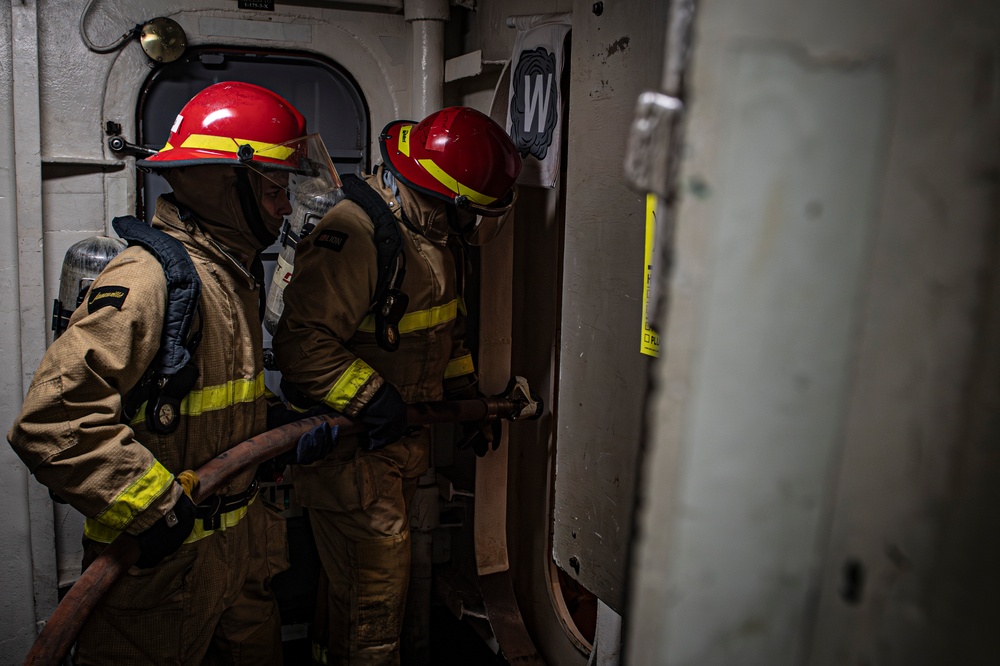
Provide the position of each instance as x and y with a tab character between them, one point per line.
208	603
358	503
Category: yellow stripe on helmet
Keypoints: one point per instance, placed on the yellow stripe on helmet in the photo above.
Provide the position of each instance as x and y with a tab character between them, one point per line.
231	145
453	185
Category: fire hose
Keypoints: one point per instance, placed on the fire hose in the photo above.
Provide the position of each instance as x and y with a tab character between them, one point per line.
518	402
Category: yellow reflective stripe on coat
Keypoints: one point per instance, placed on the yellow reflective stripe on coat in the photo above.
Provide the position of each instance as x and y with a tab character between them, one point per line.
136	497
214	398
457	367
419	320
95	531
348	385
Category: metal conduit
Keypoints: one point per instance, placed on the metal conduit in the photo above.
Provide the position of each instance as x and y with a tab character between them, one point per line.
427	18
30	276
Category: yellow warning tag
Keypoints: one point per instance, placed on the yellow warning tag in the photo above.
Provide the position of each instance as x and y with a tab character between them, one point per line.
404	139
650	338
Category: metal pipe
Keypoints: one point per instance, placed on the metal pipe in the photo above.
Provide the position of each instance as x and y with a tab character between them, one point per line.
19	578
428	70
427	18
31	276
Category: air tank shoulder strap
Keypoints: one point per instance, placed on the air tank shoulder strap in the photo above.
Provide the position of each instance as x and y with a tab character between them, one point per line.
172	373
388	303
388	241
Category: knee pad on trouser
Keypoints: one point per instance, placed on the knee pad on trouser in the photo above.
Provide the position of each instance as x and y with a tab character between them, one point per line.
382	575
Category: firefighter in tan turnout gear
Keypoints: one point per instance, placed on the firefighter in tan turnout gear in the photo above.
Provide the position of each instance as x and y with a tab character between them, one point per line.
200	592
364	331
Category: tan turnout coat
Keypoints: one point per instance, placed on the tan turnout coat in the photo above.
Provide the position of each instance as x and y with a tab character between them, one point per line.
69	432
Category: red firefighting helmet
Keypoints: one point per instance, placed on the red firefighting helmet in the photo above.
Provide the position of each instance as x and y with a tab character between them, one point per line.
234	123
457	154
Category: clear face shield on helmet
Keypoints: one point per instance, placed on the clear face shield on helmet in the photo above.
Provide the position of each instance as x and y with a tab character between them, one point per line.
302	167
481	224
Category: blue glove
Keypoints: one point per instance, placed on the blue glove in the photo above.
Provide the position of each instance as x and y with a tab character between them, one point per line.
385	416
316	444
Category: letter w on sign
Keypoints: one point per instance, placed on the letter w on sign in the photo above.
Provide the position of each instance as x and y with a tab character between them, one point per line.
534	114
532	117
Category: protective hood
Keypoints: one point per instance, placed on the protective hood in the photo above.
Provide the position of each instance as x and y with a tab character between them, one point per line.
426	214
435	218
212	194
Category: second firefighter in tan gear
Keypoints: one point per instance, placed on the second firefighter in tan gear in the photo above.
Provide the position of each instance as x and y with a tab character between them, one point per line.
357	498
327	350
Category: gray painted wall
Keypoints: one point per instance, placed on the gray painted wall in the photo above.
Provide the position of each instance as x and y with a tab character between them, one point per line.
823	446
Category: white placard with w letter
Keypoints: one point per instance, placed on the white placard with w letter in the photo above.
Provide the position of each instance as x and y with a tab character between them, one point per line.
534	114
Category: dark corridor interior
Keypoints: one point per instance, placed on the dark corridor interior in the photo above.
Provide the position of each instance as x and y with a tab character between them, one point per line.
453	642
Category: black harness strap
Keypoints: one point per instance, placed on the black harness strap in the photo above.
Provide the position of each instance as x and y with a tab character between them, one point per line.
388	303
172	373
211	510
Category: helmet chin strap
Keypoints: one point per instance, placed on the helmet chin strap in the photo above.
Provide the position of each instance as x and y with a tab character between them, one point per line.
452	214
455	222
251	209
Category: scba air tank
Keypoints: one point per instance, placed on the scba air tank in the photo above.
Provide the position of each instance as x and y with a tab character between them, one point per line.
82	264
308	211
